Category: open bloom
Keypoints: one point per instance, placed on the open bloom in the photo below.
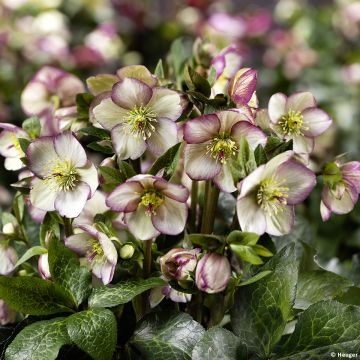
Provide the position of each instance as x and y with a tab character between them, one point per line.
139	117
297	118
341	188
10	147
267	196
213	141
151	206
98	249
64	178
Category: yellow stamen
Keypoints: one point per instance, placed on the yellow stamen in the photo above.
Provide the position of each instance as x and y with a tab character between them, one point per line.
292	123
140	122
222	148
272	196
151	199
62	175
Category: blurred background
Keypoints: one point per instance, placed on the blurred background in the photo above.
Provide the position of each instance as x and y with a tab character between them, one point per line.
293	44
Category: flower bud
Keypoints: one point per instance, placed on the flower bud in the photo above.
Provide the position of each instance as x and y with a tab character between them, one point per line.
43	266
213	273
178	264
8	229
127	251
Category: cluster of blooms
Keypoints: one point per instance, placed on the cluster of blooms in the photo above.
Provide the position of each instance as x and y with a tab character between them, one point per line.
144	119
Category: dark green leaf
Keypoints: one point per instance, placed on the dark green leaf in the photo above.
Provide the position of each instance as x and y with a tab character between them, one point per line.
121	293
210	242
24	143
49	228
167	335
33	251
94	331
324	328
66	271
97	132
197	82
276	146
255	278
39	341
262	309
242	238
317	285
260	155
219	343
111	175
105	149
167	161
351	296
32	126
83	102
126	170
34	296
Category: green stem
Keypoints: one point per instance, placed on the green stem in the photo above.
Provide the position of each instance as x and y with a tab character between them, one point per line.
146	274
67	226
193	208
210	203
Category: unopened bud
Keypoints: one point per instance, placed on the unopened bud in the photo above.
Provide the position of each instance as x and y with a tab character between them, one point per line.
127	251
8	229
43	267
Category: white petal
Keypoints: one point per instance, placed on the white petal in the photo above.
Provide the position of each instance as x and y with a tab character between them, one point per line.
224	179
302	144
324	211
165	103
251	181
89	175
108	114
146	230
70	203
277	107
229	118
300	101
13	164
275	162
68	148
250	215
280	223
42	195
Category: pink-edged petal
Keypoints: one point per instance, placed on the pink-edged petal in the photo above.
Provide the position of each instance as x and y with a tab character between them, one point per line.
244	87
298	179
164	136
166	103
131	92
70	203
300	101
272	165
252	133
342	205
351	173
127	145
42	195
108	248
68	148
250	215
88	174
251	181
170	217
140	224
174	191
316	121
303	145
277	107
107	272
79	243
280	223
108	114
36	214
9	143
42	156
125	197
224	179
324	211
201	129
199	165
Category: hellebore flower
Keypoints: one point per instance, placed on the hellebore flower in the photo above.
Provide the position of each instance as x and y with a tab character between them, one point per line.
10	147
139	117
157	294
341	188
8	258
98	249
7	315
43	266
267	196
64	177
213	273
213	141
178	264
297	118
151	206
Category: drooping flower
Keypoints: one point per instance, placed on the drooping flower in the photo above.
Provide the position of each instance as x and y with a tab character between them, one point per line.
157	294
213	273
43	266
64	177
10	147
268	195
213	141
297	118
139	117
341	188
151	206
98	249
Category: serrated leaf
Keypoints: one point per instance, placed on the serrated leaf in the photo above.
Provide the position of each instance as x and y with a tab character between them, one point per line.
261	309
34	296
168	161
83	102
197	82
39	341
260	155
94	331
97	132
48	229
206	241
126	170
276	146
96	146
167	335
242	238
219	343
255	278
111	175
317	285
159	70
24	143
122	292
32	126
325	327
33	251
66	271
244	163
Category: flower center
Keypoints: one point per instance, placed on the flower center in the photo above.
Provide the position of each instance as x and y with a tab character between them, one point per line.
151	199
292	123
271	196
95	250
222	148
140	121
63	175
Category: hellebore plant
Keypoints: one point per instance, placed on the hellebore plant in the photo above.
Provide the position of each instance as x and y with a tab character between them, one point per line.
189	224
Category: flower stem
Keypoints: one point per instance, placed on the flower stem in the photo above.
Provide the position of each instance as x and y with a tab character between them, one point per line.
193	208
67	226
211	198
146	274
